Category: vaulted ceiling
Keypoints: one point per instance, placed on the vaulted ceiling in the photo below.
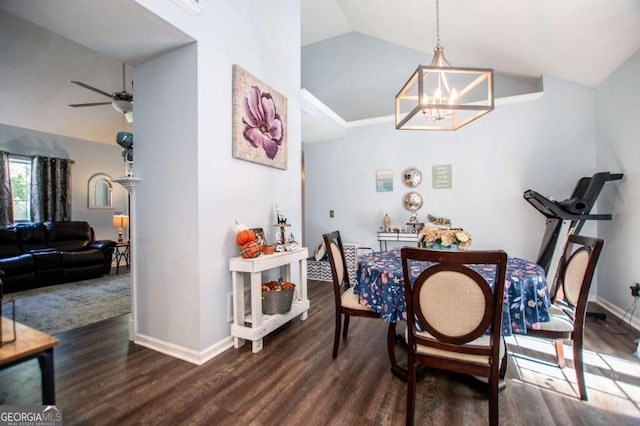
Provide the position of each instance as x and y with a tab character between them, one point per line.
577	40
357	54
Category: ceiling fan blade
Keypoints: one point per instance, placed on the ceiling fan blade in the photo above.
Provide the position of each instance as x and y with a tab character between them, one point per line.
90	104
86	86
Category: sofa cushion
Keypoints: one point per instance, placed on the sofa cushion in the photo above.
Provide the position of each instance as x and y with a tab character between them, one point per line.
9	246
17	265
68	236
47	259
20	282
81	273
76	259
31	236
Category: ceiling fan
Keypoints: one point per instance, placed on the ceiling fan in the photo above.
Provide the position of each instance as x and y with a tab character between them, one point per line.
121	101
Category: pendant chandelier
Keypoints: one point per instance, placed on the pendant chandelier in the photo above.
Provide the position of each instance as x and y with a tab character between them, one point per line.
443	97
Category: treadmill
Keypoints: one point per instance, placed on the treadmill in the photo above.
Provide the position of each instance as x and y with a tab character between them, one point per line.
568	216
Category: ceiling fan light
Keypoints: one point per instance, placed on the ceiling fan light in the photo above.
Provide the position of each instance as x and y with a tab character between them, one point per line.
122	106
129	116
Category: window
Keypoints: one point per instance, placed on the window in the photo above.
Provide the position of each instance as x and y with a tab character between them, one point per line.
20	172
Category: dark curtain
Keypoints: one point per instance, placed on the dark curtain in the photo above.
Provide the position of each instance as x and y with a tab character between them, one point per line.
50	189
6	202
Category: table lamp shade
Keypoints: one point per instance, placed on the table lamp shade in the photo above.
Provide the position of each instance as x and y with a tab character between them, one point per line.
120	221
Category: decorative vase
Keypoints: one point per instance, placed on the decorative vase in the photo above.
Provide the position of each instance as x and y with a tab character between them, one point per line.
438	246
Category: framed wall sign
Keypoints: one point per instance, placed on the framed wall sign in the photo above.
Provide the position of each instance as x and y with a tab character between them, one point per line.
441	176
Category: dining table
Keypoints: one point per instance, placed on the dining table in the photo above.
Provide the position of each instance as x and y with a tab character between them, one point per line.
379	284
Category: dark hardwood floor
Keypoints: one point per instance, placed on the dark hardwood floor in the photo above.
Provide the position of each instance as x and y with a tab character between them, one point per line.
102	379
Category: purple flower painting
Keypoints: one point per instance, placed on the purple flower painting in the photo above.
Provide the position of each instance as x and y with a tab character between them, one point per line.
262	124
259	121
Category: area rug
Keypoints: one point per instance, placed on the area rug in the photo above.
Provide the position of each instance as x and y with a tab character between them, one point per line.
63	307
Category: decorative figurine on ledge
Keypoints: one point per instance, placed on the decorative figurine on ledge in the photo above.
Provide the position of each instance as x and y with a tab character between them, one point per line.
283	243
386	222
125	140
280	216
413	224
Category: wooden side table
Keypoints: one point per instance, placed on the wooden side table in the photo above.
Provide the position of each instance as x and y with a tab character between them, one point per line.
121	253
256	325
29	344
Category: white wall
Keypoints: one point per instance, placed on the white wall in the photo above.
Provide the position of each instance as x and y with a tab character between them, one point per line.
189	200
545	145
618	149
165	216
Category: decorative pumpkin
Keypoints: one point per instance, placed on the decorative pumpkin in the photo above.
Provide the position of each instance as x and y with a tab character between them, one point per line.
251	249
244	235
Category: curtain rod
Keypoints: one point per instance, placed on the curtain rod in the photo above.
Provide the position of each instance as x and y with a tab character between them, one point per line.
34	156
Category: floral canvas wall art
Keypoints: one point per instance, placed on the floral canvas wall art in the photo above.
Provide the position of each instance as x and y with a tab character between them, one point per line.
259	121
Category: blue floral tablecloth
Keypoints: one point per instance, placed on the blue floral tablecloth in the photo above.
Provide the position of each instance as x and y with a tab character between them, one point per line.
379	281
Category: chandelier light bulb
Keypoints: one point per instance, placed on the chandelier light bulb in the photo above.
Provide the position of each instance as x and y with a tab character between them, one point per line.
438	96
454	97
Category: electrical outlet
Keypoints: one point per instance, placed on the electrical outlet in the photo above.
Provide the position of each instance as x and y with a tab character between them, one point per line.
230	307
635	290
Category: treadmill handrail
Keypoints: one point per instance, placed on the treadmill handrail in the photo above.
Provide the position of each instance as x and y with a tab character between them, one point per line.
551	209
596	183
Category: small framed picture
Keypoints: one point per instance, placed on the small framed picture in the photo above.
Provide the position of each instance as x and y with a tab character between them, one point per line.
384	180
259	235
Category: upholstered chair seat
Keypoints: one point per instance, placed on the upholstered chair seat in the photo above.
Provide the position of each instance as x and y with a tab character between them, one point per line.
482	341
558	322
351	301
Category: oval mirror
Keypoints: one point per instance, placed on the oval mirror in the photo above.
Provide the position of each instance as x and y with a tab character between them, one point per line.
412	177
412	201
100	191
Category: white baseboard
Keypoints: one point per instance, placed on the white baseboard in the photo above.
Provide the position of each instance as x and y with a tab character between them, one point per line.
183	353
635	322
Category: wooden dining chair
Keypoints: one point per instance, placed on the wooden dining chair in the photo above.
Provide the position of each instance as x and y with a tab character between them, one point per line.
461	315
346	301
569	298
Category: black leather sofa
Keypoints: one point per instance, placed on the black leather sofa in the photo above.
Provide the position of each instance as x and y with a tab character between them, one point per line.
40	254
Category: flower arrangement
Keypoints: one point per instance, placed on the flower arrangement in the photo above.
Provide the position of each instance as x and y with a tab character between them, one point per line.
443	221
445	238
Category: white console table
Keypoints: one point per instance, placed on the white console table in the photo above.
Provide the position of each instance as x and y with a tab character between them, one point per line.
409	237
256	325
